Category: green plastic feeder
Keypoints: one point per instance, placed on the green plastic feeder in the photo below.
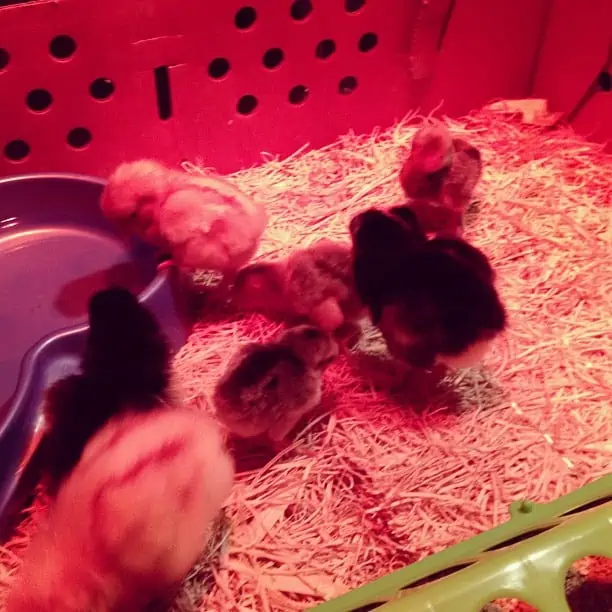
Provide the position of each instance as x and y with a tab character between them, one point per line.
525	558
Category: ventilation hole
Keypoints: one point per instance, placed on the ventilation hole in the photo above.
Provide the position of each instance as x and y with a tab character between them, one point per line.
245	17
16	150
592	504
300	9
39	100
367	607
588	584
437	575
62	47
218	68
164	95
5	58
501	605
273	57
298	94
347	85
520	538
367	42
79	138
604	80
352	6
325	48
102	89
247	105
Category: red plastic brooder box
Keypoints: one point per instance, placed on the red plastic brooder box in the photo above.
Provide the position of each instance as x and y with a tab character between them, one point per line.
85	84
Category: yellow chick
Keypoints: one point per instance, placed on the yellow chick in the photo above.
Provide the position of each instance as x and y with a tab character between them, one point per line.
131	519
204	222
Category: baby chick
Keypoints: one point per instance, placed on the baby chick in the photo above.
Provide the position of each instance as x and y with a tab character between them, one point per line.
434	301
205	222
439	178
313	284
268	388
382	240
126	363
132	518
133	196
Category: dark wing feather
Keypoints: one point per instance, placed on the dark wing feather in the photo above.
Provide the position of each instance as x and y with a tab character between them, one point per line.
126	348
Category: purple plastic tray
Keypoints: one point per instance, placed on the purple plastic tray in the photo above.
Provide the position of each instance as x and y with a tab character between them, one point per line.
56	250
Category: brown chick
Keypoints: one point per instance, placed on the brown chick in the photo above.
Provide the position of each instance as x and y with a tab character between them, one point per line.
268	388
205	222
313	284
439	178
131	519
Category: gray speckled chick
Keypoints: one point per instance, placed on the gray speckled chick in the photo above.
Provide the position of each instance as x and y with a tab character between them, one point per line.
267	388
313	284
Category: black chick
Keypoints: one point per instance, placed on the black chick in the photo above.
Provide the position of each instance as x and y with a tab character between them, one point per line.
126	366
435	302
382	240
126	348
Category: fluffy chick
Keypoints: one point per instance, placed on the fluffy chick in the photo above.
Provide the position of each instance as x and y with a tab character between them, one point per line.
268	388
126	362
205	222
313	284
133	196
435	303
382	240
439	178
131	519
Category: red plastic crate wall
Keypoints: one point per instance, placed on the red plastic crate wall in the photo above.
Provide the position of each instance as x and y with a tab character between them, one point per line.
85	84
565	70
